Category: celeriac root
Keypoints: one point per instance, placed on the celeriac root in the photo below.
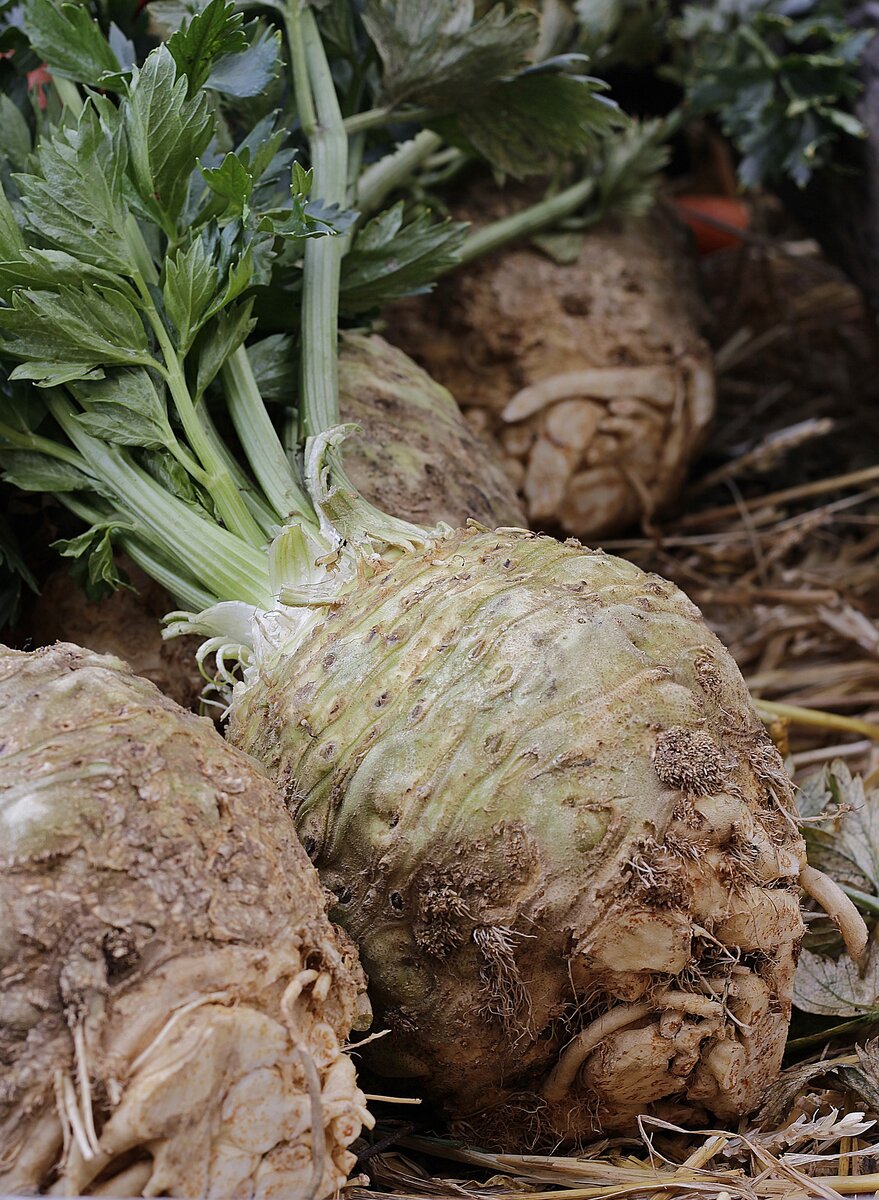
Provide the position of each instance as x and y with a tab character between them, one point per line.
830	896
173	999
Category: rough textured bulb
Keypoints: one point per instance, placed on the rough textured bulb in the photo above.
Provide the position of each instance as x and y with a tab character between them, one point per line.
173	998
416	457
591	374
555	827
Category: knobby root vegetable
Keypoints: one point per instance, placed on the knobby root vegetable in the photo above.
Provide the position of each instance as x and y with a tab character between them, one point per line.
173	999
592	374
555	827
416	457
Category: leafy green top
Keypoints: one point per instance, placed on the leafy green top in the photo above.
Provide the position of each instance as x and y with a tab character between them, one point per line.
149	216
782	77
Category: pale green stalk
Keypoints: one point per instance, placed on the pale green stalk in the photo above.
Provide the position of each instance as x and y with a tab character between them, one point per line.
524	224
374	118
261	443
379	180
148	555
215	556
322	122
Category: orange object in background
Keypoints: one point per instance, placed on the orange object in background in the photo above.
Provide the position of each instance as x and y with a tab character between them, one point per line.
714	220
38	79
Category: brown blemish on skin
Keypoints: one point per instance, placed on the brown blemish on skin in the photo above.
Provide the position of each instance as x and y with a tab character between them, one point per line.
690	760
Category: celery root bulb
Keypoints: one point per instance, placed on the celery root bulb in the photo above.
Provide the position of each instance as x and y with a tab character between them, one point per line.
173	998
591	374
416	457
555	827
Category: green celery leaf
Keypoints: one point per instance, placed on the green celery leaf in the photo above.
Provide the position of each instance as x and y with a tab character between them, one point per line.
188	289
260	148
33	472
390	258
166	134
123	47
218	340
15	137
54	374
174	479
252	71
275	368
217	30
49	268
781	77
232	181
433	51
125	409
525	125
75	201
307	218
89	325
92	551
67	38
11	239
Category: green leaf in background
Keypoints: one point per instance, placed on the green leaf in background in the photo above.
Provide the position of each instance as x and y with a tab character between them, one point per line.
33	472
781	78
275	368
67	37
524	126
622	31
166	134
627	169
15	137
433	51
14	576
12	242
251	71
215	31
393	257
232	181
218	340
94	565
125	409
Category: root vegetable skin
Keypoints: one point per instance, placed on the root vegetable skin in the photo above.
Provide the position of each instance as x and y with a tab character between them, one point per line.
416	457
173	997
591	374
536	784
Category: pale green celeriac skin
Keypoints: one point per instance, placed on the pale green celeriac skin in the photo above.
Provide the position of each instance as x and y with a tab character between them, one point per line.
537	786
167	969
416	456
